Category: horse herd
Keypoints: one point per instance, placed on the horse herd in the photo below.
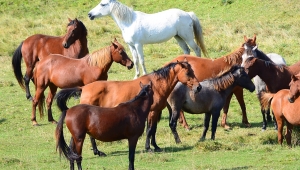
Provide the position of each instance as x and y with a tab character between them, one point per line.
187	83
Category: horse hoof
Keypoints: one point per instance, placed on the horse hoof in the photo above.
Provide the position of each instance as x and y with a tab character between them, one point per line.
53	122
157	150
247	125
101	154
149	150
36	124
29	98
201	139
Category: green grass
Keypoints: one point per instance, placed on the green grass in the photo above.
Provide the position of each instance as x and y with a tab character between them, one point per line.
224	23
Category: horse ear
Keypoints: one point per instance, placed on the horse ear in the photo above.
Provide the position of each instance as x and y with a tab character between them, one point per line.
150	83
114	44
245	38
254	38
141	84
69	19
294	78
185	60
115	40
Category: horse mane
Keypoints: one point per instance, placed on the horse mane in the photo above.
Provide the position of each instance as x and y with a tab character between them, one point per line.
224	79
164	71
281	67
122	12
100	57
235	57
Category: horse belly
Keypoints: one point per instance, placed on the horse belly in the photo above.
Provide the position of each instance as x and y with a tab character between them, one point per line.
291	111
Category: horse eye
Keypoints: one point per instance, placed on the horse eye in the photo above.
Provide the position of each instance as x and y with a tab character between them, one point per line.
103	4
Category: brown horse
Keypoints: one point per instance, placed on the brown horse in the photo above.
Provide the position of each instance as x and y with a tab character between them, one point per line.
205	68
63	72
73	44
285	107
125	121
111	93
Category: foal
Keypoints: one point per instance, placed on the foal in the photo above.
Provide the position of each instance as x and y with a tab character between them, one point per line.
125	121
285	106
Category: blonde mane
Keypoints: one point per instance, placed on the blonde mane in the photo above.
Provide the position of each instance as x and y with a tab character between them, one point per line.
122	12
100	57
235	57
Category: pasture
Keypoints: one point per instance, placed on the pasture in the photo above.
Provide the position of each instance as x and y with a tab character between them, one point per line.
224	23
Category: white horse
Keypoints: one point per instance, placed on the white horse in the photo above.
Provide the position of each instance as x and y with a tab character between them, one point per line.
139	28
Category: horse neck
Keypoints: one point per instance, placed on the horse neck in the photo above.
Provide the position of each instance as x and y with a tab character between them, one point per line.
78	49
101	58
274	77
223	84
123	19
234	57
262	55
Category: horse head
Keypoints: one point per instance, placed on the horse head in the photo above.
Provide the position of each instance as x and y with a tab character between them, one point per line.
242	79
102	9
250	48
75	31
119	55
186	76
294	88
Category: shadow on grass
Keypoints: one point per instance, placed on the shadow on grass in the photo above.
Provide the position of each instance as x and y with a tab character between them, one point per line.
2	120
239	167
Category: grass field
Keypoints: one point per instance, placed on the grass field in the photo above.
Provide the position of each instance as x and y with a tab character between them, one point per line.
224	23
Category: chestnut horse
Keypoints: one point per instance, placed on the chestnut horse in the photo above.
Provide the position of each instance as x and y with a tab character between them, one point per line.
205	68
125	121
63	72
111	93
73	44
285	107
209	100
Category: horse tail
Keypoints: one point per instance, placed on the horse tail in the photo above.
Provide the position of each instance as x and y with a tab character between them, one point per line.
198	33
64	95
265	100
16	64
61	142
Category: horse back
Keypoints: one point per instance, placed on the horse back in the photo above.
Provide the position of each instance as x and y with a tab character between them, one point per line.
204	68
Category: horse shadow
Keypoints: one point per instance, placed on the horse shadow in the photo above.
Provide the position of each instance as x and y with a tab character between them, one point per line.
2	120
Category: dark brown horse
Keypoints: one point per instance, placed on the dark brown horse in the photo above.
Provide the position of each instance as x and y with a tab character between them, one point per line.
73	44
125	121
276	77
285	107
205	68
111	93
58	71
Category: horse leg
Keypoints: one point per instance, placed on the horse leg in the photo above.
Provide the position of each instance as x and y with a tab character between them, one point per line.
214	124
225	110
173	116
206	126
39	95
49	100
264	127
182	121
288	133
135	61
95	149
153	138
140	53
132	146
239	94
183	45
280	130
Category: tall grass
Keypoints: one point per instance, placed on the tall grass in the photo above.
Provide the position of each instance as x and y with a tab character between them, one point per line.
224	23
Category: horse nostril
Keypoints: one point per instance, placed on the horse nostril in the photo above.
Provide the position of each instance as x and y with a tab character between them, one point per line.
199	88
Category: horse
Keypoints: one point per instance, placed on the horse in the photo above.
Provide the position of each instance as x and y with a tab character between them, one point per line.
285	108
252	50
57	71
205	68
139	28
276	77
125	121
109	94
210	100
33	49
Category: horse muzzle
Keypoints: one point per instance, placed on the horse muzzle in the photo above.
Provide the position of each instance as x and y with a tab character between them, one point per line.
91	16
130	66
291	100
